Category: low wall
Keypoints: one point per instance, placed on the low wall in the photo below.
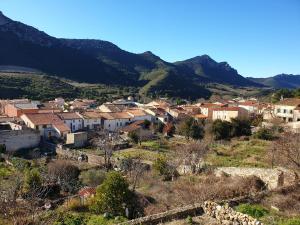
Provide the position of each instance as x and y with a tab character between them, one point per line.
19	139
223	214
179	213
226	215
273	178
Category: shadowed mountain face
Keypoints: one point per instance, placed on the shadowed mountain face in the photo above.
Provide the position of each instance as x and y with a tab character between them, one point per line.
279	81
97	61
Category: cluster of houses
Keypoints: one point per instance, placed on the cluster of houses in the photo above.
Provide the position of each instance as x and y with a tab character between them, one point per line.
59	118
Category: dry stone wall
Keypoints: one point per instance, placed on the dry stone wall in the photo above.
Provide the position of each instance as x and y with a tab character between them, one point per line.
227	216
273	178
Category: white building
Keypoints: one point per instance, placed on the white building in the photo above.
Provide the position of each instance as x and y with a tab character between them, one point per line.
73	120
288	109
228	113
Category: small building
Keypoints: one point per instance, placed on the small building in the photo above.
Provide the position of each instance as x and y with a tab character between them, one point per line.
91	119
17	109
228	113
78	139
48	124
288	109
72	119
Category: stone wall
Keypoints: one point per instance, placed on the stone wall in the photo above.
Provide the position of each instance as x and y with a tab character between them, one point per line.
19	139
226	215
222	213
273	178
179	213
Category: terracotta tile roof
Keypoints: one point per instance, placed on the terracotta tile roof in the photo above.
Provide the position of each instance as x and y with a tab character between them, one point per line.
69	116
200	116
120	115
92	115
227	109
289	102
61	127
87	191
43	118
210	105
136	112
133	126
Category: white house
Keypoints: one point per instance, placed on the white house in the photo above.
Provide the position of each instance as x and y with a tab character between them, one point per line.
72	119
228	113
287	109
114	121
91	119
48	124
139	114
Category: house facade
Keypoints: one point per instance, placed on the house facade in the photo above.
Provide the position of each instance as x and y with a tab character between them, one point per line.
228	113
73	120
288	109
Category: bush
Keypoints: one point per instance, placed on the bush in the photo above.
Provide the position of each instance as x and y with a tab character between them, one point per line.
292	221
97	220
255	211
190	128
70	219
134	137
92	177
221	130
113	196
240	127
264	134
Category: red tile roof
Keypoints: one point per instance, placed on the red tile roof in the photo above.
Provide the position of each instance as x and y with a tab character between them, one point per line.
43	118
69	116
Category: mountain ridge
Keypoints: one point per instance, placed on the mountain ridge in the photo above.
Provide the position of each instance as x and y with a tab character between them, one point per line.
283	80
98	61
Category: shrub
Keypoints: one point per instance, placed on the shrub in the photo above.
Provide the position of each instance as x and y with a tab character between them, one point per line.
134	137
255	211
264	134
70	219
92	177
113	196
292	221
240	127
221	129
97	220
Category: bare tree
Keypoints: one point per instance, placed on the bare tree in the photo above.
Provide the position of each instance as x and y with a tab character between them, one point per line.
65	174
286	151
191	154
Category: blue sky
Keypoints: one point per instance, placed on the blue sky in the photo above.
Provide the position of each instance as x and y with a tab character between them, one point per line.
257	37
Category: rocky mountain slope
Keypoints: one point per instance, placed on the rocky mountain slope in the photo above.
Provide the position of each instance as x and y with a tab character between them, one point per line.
97	61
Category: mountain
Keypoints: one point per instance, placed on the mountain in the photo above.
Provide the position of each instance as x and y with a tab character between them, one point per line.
289	81
97	61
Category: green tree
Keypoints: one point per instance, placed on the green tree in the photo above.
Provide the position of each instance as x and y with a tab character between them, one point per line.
197	131
190	128
221	129
240	127
113	196
264	134
133	137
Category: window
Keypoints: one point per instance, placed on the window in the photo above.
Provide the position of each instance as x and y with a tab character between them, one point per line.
117	124
120	124
44	126
278	110
108	125
284	111
36	127
291	111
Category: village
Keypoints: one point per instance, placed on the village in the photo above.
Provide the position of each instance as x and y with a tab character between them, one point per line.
162	148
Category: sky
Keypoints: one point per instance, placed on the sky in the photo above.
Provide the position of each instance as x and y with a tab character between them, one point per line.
259	38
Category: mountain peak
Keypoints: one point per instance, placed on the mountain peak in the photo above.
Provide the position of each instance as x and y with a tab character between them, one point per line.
3	19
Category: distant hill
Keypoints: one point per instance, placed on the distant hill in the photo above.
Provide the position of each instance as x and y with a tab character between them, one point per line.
97	61
289	81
